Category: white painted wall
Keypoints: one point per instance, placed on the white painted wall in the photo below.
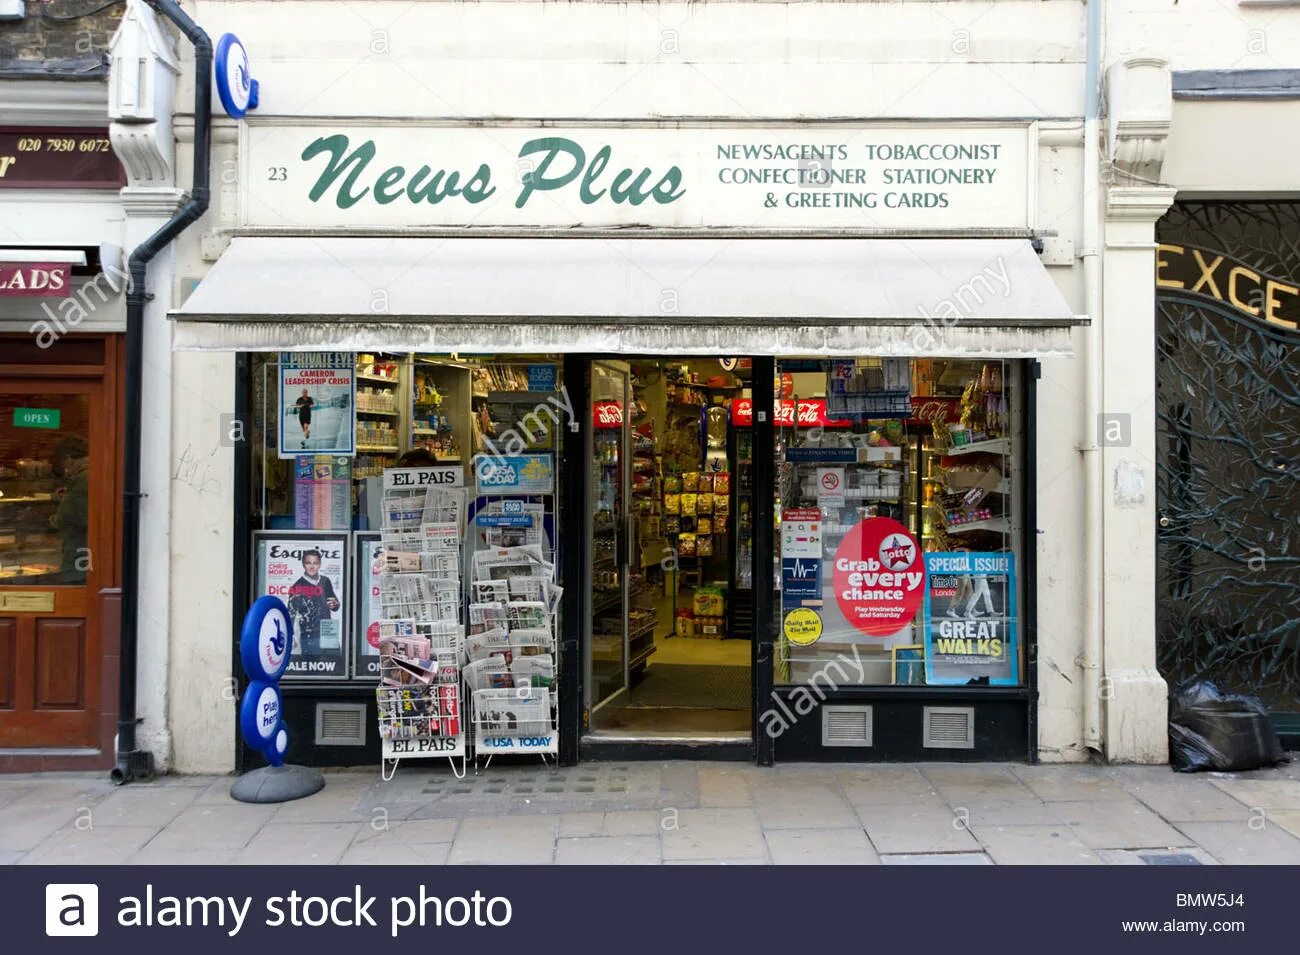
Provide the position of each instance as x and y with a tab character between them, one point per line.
736	60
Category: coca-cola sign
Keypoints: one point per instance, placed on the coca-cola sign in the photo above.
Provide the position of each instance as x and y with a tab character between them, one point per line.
807	413
43	279
607	414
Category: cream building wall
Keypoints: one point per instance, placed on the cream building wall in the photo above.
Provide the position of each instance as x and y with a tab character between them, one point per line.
747	61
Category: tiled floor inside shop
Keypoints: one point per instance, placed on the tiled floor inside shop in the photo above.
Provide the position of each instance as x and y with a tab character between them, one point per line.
672	812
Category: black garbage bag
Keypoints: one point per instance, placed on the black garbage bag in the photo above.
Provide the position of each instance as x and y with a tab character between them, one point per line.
1225	732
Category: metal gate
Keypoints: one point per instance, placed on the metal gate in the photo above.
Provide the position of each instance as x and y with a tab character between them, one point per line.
1228	446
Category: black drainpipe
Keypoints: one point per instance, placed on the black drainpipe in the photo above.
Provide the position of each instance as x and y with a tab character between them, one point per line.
134	763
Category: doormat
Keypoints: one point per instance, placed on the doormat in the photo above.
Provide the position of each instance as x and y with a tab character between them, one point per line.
687	685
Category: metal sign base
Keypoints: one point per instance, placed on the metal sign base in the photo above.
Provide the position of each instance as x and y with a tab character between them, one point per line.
277	784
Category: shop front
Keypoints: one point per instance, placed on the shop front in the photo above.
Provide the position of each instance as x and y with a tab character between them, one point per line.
61	364
699	440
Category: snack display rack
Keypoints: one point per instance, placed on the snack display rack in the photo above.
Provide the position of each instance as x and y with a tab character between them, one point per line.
421	629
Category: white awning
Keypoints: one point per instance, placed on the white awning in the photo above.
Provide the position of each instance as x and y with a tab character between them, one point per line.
955	297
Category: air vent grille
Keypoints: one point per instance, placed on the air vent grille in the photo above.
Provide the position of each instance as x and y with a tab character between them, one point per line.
340	724
846	726
949	727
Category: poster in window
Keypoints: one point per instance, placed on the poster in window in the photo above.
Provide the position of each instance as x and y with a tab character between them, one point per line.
309	573
369	553
317	403
970	619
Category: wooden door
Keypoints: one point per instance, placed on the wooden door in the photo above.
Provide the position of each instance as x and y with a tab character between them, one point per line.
57	465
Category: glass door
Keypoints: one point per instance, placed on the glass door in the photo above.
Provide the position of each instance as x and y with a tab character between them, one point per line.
607	533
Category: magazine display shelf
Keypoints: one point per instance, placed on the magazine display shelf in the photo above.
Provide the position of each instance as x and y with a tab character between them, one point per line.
422	632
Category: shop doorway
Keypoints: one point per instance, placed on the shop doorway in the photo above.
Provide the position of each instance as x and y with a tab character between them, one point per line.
670	571
56	550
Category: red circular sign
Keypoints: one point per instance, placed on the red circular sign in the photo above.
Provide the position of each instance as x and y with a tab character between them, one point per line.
879	576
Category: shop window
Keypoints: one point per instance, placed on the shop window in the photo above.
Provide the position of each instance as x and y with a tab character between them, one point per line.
898	487
325	428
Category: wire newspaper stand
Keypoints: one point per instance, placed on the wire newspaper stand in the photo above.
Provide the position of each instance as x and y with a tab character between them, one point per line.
510	648
421	689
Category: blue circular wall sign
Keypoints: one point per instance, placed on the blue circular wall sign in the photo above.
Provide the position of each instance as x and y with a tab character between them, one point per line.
235	84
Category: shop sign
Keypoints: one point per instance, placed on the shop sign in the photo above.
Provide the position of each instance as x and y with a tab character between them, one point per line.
1230	282
541	377
236	88
410	479
48	418
802	626
867	178
35	279
265	649
801	532
514	474
879	576
830	487
970	622
929	410
805	413
58	157
607	414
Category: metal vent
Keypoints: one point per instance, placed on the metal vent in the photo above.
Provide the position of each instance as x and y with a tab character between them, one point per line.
948	727
341	724
846	726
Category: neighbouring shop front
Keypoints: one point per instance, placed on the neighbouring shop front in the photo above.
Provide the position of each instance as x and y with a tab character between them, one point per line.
639	440
61	366
1228	310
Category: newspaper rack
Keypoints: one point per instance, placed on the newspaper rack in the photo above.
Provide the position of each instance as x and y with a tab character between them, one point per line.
421	693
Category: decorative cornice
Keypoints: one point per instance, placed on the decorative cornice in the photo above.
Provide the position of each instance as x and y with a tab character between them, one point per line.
152	201
1138	203
1139	115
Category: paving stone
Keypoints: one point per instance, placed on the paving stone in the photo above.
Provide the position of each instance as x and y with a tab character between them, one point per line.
1290	821
1188	799
143	805
724	789
505	840
1034	845
704	834
326	806
1280	794
755	860
985	811
1236	843
897	829
414	831
990	777
608	850
321	843
637	822
371	853
791	805
106	845
212	828
1120	825
572	824
820	847
887	785
1069	783
151	855
1145	856
10	858
23	828
937	858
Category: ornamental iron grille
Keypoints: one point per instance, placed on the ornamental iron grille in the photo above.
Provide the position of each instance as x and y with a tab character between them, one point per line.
1228	432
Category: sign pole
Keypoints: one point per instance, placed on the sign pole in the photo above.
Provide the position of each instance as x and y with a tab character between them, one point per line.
265	645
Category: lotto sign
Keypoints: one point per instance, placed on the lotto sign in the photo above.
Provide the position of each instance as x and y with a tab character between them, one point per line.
879	577
265	648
